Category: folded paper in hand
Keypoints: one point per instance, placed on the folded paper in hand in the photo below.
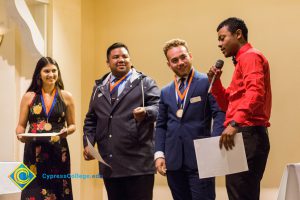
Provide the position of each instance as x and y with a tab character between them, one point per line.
95	153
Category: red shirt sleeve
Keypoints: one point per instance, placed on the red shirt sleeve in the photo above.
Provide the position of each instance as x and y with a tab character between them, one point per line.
252	70
220	94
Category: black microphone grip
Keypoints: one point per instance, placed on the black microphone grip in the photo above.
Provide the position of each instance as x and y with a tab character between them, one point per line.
219	64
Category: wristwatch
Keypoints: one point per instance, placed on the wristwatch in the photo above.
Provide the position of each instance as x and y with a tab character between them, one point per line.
234	124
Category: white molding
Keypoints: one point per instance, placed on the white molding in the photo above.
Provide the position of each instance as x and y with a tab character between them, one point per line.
33	2
31	35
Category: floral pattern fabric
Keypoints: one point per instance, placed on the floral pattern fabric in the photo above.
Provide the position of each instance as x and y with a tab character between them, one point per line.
47	156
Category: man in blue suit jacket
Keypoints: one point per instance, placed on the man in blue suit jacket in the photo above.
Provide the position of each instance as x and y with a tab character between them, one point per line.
185	114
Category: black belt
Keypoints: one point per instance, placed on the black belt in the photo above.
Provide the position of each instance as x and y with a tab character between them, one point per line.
253	129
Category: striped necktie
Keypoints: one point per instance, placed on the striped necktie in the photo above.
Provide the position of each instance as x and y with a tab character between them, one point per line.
114	93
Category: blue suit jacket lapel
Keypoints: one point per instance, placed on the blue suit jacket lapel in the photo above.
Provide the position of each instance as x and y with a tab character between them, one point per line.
172	96
190	92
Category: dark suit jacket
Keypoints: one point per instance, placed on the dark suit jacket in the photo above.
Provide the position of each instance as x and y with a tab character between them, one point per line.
174	136
124	143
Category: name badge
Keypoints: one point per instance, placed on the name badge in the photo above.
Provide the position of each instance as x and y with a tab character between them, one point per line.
195	99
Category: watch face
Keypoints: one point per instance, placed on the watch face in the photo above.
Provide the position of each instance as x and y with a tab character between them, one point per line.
233	123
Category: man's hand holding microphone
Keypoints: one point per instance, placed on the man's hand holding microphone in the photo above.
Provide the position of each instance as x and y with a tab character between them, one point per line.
214	73
227	137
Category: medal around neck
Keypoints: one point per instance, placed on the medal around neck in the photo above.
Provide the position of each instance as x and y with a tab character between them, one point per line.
179	113
47	126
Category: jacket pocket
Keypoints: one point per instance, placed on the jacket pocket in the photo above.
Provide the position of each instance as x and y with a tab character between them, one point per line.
133	129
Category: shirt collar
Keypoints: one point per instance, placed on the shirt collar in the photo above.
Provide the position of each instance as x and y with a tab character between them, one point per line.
242	50
112	77
186	77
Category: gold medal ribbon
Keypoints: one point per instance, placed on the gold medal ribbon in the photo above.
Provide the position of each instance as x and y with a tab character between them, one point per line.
48	106
48	102
179	94
112	86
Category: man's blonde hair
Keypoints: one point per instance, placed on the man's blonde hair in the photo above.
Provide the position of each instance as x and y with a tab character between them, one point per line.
174	43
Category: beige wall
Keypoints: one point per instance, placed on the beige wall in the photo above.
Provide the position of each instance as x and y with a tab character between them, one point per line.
65	47
92	188
273	28
80	31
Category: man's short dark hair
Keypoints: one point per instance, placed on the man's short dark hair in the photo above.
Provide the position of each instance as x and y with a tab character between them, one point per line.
174	43
233	25
115	46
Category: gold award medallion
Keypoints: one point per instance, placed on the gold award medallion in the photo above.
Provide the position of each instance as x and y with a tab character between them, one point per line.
47	126
179	113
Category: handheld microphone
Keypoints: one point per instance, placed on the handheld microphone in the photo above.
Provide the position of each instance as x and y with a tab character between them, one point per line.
219	64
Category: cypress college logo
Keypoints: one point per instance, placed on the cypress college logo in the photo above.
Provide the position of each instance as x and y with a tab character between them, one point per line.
22	176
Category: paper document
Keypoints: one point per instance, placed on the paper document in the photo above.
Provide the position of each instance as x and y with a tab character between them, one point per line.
38	134
213	161
95	153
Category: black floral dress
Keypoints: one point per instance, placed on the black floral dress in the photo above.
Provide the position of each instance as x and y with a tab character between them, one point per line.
44	157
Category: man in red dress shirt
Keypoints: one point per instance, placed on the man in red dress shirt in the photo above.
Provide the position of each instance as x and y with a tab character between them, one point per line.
247	102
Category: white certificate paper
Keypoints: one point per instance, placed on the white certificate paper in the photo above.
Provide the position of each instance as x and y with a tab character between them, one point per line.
38	134
95	153
213	161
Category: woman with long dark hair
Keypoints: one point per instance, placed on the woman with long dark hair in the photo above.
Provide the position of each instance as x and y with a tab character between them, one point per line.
47	108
